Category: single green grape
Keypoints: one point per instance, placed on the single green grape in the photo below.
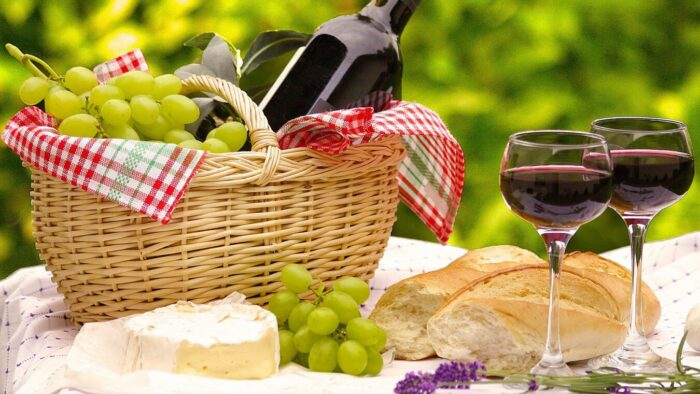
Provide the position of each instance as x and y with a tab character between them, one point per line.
304	339
79	125
155	130
101	93
295	277
287	349
144	109
364	331
165	85
80	79
299	315
352	357
215	145
179	109
323	355
177	136
191	144
281	305
375	363
62	103
234	134
344	305
322	320
124	132
115	112
135	83
357	288
33	90
381	341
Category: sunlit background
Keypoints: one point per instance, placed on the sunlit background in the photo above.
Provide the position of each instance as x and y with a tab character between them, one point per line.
488	67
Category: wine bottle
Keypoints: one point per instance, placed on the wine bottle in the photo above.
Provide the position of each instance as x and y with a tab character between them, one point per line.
346	60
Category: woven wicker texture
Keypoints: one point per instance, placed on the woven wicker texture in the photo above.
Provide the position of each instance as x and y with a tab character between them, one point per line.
244	216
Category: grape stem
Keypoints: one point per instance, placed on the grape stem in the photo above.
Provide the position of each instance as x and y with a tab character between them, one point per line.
28	62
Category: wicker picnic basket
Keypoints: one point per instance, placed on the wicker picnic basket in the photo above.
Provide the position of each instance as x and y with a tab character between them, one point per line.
244	216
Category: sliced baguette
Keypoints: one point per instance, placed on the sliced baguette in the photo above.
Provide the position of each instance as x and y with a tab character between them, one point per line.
501	319
404	309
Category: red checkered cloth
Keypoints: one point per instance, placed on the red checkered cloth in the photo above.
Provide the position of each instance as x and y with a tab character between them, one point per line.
129	61
145	177
431	177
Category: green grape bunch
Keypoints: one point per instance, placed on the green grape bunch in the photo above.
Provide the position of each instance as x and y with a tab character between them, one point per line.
134	106
327	334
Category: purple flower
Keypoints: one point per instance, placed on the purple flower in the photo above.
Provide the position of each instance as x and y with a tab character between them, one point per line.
454	375
532	385
416	383
458	374
620	390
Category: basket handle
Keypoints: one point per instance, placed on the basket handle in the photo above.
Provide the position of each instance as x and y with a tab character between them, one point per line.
262	138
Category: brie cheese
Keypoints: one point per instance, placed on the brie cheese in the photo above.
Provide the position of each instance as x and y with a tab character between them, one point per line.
234	341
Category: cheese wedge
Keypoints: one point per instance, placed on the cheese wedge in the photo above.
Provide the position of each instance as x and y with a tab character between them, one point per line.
234	341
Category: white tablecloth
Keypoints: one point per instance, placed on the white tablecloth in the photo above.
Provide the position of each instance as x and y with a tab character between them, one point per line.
37	335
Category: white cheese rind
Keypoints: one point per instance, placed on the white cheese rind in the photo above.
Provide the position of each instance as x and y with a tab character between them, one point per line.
234	341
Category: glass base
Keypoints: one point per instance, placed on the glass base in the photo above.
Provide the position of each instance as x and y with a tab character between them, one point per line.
633	361
546	369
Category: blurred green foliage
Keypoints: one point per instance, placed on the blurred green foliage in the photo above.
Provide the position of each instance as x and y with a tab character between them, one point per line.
489	67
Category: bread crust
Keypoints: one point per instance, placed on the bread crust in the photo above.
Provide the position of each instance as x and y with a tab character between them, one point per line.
405	308
406	299
587	330
590	264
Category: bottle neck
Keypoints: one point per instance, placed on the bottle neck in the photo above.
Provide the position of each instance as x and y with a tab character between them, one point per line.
394	14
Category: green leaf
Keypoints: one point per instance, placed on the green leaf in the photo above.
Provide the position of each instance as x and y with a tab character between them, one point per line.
269	45
219	58
200	41
219	55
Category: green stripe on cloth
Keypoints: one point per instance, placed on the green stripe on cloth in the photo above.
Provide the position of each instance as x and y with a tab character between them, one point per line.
424	168
113	193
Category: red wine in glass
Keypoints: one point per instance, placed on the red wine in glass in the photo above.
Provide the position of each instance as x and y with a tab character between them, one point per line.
653	169
556	196
649	180
557	180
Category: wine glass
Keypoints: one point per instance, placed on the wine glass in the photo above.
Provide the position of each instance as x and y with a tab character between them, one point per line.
557	180
653	168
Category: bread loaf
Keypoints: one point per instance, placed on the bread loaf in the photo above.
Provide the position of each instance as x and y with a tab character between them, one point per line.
591	264
404	309
501	319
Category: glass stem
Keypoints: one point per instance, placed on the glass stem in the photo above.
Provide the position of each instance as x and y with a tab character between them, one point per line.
636	337
555	242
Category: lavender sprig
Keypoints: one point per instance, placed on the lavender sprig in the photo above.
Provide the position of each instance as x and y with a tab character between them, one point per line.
461	375
452	375
416	383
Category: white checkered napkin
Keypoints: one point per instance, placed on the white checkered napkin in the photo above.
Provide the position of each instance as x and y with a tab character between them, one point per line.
145	177
129	61
431	176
